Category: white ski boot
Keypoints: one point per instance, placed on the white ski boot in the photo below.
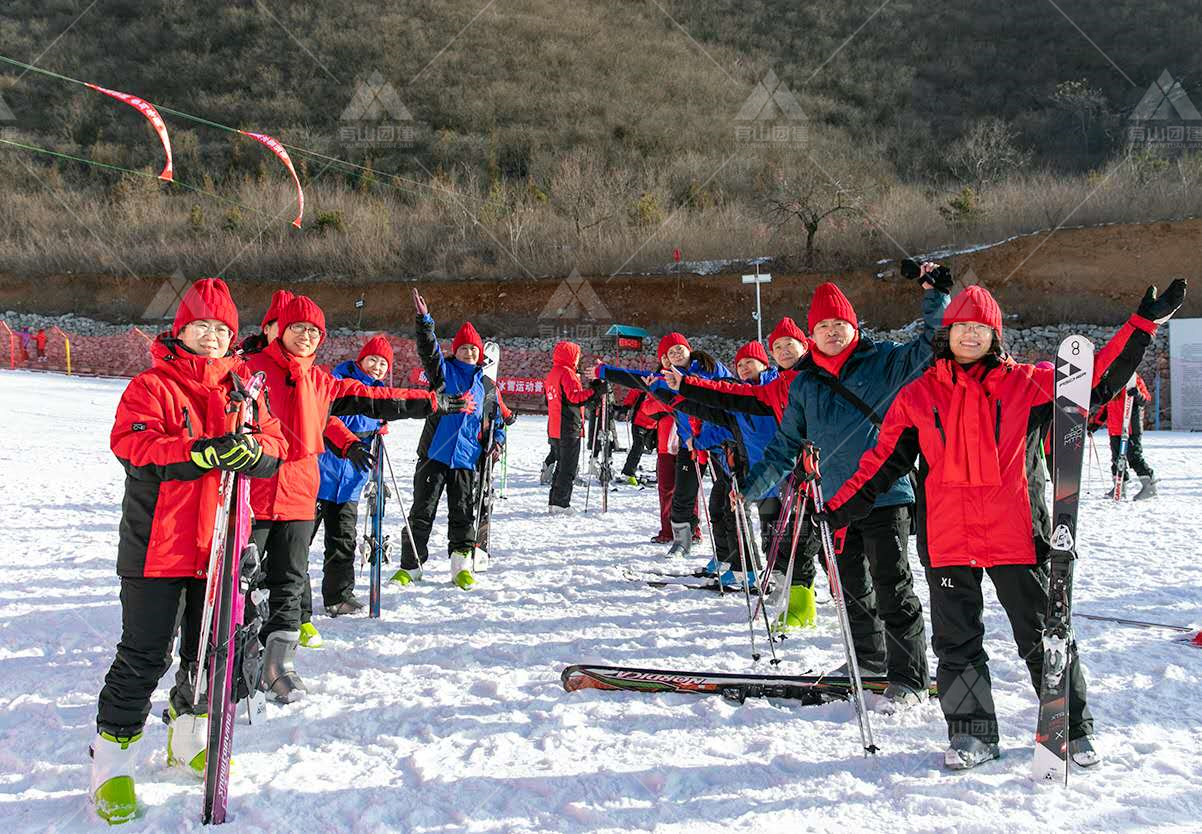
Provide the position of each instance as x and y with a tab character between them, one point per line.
461	569
480	560
279	667
407	576
968	751
114	761
682	539
1147	488
187	741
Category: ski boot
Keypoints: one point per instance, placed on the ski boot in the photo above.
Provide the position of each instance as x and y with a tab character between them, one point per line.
279	667
682	539
1147	488
661	538
898	696
310	637
800	613
1083	752
547	475
349	604
481	561
114	760
968	751
407	576
555	509
461	569
711	568
187	740
733	580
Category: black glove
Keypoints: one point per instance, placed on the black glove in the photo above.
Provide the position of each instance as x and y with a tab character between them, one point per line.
360	456
597	384
941	277
1160	309
455	403
230	452
806	467
511	419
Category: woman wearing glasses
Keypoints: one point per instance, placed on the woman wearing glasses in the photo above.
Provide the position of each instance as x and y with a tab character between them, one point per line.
303	396
978	418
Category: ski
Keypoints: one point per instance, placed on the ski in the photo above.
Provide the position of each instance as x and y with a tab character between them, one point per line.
376	542
1074	382
1120	463
1137	623
238	565
485	493
809	689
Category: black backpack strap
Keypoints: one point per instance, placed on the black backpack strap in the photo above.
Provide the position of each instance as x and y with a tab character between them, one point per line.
839	388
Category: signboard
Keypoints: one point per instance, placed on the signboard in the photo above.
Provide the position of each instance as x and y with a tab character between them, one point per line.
1185	373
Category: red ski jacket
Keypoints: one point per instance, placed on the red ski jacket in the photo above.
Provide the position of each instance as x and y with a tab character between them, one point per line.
304	398
561	385
978	429
170	503
772	398
1112	412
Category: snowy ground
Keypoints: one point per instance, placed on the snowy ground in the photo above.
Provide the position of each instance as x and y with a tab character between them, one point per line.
447	714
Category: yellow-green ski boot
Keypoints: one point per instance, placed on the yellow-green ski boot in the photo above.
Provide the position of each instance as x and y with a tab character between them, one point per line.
113	764
407	576
310	637
461	569
801	613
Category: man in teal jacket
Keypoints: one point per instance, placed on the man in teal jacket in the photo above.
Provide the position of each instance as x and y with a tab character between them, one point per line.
845	367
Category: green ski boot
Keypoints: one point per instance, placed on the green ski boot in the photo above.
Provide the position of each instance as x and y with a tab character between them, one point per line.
310	637
461	569
801	612
113	765
407	576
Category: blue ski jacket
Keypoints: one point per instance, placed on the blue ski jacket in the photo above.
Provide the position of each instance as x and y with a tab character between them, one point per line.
340	480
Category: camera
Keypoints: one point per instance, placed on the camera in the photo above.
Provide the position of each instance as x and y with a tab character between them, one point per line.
911	269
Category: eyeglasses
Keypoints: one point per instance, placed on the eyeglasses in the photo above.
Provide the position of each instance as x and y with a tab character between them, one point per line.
299	329
966	328
204	328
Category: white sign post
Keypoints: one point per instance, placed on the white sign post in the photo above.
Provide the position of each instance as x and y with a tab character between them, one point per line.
758	279
1185	373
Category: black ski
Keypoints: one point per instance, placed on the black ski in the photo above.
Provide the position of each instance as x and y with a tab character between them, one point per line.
809	689
1074	381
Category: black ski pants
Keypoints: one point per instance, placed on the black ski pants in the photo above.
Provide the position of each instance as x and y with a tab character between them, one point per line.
341	525
566	467
882	608
1135	446
958	634
284	550
808	543
151	609
430	479
684	497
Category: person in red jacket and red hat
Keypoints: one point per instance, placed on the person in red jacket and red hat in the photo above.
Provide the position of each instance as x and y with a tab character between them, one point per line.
565	395
303	396
977	418
174	435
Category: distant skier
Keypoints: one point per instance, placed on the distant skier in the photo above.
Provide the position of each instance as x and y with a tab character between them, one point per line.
565	420
977	418
1112	415
174	436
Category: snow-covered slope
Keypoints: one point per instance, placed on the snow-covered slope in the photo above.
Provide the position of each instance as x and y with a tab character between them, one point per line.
447	714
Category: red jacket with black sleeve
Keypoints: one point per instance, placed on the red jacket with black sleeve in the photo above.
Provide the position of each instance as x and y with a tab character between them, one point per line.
170	503
732	395
972	509
1112	412
564	392
304	397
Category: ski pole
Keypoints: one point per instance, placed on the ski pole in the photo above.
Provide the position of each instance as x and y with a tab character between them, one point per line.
400	503
753	548
791	507
832	568
709	527
734	492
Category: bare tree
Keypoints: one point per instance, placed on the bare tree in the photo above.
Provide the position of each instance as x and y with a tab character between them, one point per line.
810	202
1084	102
987	153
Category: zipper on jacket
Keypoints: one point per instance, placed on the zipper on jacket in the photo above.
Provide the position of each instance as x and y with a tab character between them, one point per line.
939	425
997	424
188	423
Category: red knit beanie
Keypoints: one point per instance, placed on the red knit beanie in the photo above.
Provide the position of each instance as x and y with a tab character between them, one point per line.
752	350
829	302
377	346
208	298
302	308
670	341
279	300
787	328
975	304
467	335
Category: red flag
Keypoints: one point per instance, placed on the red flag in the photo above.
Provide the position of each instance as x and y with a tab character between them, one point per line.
146	109
283	155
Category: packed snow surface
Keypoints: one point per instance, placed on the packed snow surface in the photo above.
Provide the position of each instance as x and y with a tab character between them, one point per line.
447	713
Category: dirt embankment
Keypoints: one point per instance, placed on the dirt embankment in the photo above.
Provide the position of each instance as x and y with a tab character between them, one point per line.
1080	275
